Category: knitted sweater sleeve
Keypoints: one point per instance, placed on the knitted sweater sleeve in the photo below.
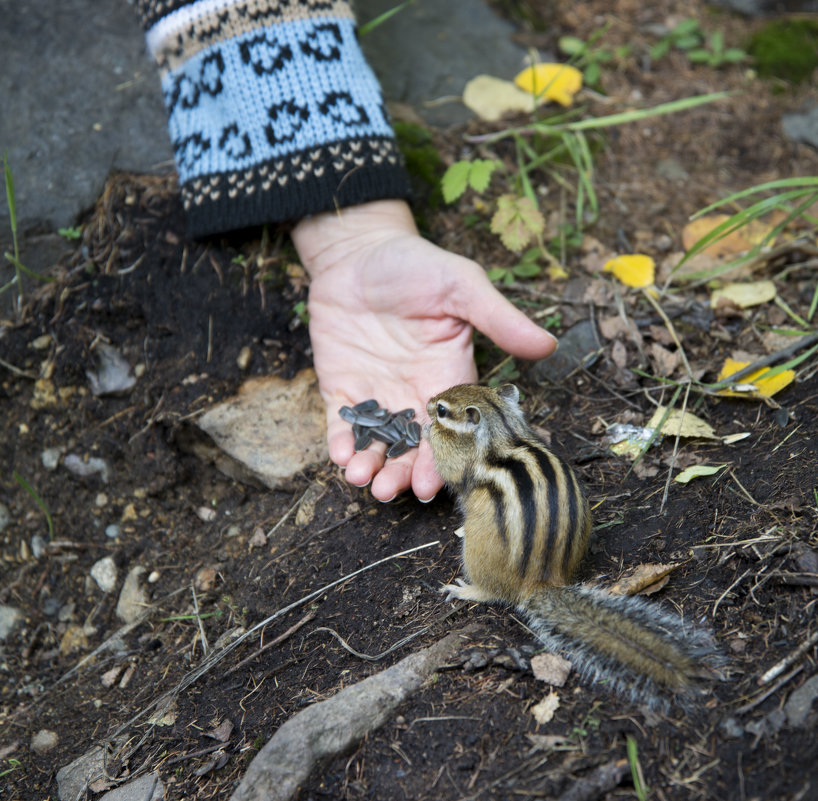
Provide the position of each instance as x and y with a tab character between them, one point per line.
273	112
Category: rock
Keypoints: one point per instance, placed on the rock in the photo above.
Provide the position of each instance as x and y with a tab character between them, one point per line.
145	788
5	516
105	574
133	601
37	546
74	639
577	345
84	468
112	531
799	703
113	375
73	779
9	618
273	428
205	579
802	127
50	458
44	741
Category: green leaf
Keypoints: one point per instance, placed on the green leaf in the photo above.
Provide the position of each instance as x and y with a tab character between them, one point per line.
455	180
686	27
717	42
734	55
688	42
10	194
660	49
381	18
526	269
699	56
480	173
517	221
592	73
496	273
572	45
532	254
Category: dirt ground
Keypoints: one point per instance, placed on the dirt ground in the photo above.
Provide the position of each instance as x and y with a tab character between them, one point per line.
744	540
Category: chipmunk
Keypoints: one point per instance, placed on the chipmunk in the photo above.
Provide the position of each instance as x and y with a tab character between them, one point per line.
525	530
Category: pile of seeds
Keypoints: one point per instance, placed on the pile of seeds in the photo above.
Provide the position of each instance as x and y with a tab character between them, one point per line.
370	422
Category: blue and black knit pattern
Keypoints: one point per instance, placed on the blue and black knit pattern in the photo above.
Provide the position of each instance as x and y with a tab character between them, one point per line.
270	122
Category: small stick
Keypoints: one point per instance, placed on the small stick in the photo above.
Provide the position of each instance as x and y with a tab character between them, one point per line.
779	667
761	697
277	641
205	644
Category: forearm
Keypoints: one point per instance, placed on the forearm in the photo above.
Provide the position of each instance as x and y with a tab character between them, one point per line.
274	114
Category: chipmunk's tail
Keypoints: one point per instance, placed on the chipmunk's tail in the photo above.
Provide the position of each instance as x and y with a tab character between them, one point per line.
632	646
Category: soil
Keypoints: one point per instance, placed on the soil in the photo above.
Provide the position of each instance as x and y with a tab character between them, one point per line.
741	540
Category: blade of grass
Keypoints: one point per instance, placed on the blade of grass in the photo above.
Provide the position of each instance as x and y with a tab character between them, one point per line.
38	500
783	183
367	27
636	769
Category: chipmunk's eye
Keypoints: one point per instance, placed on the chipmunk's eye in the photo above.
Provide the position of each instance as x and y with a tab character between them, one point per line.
442	411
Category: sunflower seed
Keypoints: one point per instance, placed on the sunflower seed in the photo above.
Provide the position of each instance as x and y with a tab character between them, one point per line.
368	419
350	415
384	435
366	406
363	441
407	414
413	433
397	449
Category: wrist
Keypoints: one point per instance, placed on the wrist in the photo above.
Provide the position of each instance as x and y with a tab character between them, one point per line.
330	237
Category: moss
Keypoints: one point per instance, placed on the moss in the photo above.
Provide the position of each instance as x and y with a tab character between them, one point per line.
786	49
423	164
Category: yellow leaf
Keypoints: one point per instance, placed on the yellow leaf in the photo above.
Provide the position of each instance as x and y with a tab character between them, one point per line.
739	241
556	272
697	471
490	98
687	426
762	388
635	270
558	82
745	294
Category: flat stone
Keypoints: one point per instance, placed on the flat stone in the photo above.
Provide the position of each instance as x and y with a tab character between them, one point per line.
104	572
145	788
133	599
802	126
274	428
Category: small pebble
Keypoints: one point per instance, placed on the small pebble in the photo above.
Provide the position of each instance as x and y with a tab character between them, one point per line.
153	577
5	516
50	458
104	572
112	531
44	741
243	360
37	546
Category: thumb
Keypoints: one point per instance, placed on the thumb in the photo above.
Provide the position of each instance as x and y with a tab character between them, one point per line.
482	305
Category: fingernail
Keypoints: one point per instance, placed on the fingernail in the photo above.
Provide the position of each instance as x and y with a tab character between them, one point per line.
428	500
360	486
387	500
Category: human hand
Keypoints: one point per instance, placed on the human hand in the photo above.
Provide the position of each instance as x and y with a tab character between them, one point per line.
391	318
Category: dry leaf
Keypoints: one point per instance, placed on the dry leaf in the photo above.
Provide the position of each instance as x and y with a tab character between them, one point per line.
545	709
696	471
739	241
490	98
557	82
677	425
635	269
664	360
642	578
550	668
756	387
744	295
549	742
556	272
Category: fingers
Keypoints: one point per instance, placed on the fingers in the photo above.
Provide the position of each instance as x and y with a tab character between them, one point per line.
488	311
426	483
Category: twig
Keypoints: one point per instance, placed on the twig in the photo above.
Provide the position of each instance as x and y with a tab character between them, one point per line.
205	645
724	594
277	641
208	664
779	667
675	451
761	697
17	371
671	330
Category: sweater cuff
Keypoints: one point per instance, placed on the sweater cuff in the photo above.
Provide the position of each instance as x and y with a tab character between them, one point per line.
271	122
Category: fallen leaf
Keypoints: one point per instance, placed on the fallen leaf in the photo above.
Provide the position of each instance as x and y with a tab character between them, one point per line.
490	98
556	272
739	241
557	82
517	221
545	709
756	387
731	438
697	471
665	361
635	270
744	295
677	424
642	577
548	742
551	668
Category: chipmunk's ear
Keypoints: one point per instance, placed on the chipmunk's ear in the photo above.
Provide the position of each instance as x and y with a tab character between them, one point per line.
472	415
508	392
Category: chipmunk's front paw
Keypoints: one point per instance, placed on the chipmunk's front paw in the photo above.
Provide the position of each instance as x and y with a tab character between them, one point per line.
463	591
